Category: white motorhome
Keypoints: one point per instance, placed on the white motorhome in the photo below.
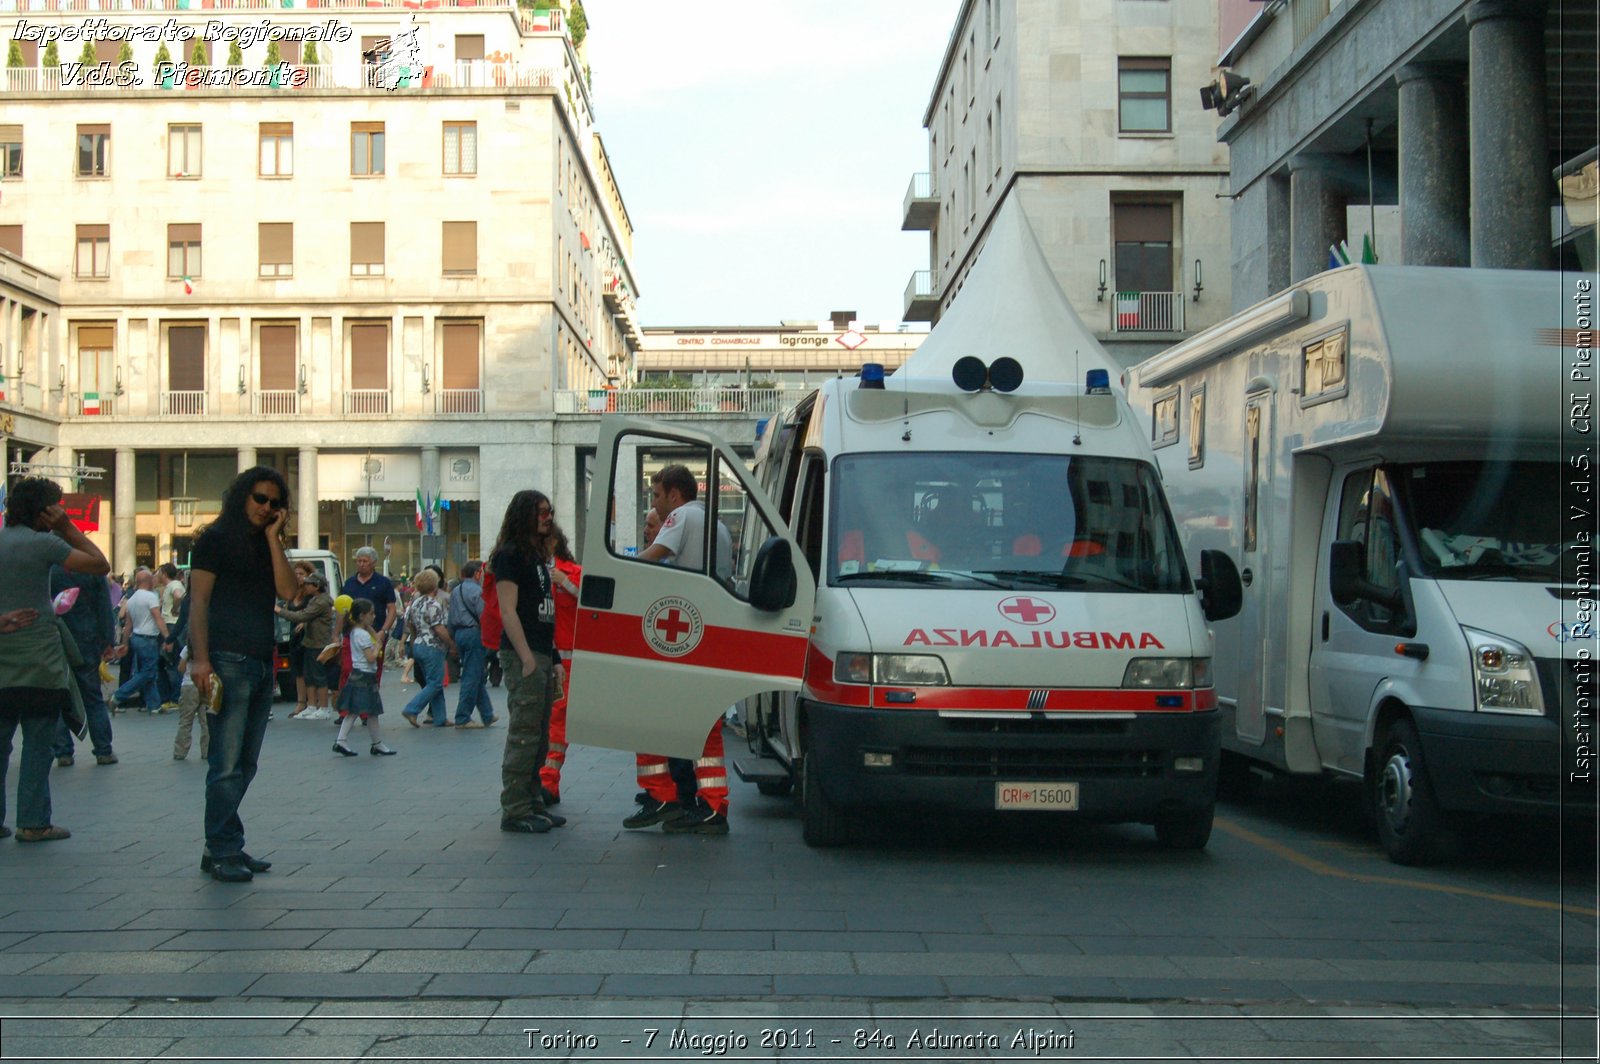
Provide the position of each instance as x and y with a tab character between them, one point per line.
959	588
1380	450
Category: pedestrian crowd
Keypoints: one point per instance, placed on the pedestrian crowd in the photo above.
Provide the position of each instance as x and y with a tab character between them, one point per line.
206	647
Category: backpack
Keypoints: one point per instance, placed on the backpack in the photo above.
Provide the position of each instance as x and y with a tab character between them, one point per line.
490	628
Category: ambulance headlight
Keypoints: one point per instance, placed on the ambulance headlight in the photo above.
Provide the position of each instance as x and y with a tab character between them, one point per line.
1503	679
909	670
1168	673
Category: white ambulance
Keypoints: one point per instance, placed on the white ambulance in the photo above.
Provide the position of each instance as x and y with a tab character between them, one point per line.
957	589
1381	449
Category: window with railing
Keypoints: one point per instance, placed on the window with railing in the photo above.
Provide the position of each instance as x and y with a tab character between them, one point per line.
186	371
369	369
96	350
460	384
1142	241
276	347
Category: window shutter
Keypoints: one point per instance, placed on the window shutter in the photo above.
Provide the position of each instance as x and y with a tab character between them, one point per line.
460	247
277	358
183	233
460	369
96	337
10	134
277	243
1143	223
11	239
186	358
366	242
369	356
94	232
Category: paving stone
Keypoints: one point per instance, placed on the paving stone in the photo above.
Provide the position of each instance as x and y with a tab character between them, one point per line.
381	938
631	919
165	984
612	960
60	919
286	960
697	940
320	985
448	960
856	942
205	919
515	985
779	920
353	919
874	986
295	1045
269	938
280	898
763	962
486	918
683	987
94	942
989	943
117	963
25	1047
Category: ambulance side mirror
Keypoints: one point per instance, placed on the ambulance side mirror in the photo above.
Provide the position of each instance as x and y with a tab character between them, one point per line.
1221	593
772	579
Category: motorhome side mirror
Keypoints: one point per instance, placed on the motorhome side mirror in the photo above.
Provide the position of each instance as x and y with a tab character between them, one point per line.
1346	562
1221	593
772	581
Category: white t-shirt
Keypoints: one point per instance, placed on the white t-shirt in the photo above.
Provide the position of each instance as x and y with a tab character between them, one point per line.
139	605
360	642
683	533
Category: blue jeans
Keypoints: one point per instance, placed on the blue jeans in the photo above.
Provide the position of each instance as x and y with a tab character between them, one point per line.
430	662
94	706
146	678
474	671
236	734
33	780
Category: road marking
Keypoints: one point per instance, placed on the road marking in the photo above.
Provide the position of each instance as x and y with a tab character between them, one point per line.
1311	864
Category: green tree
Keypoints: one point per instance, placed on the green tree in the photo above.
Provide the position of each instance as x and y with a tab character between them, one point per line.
14	55
197	54
125	53
274	54
86	57
163	64
163	57
52	58
235	54
577	23
308	55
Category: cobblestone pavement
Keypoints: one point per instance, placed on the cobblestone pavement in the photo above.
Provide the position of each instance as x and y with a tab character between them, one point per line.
398	922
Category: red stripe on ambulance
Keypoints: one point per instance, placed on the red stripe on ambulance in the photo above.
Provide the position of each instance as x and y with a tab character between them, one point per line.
728	649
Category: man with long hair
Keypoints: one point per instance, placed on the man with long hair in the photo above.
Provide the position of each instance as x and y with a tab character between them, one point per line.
36	681
527	651
238	573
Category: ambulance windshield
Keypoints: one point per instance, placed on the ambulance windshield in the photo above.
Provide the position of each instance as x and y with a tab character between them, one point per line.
1487	520
1023	521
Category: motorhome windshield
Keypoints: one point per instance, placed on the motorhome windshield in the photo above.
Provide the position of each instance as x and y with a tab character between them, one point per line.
1485	520
1013	521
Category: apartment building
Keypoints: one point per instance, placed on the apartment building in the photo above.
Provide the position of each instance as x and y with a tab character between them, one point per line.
1088	113
373	264
1460	132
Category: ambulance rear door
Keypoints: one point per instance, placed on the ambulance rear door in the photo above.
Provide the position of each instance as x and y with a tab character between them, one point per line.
663	649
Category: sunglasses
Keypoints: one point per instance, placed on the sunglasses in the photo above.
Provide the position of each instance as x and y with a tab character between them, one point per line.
266	500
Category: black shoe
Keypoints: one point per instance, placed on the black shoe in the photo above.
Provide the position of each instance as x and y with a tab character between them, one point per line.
105	759
379	750
255	865
528	825
556	819
699	820
231	870
641	798
653	812
549	796
344	751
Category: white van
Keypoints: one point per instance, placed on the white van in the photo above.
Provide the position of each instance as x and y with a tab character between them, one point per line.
1381	450
958	589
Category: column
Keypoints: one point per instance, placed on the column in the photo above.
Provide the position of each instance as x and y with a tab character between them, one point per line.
1316	214
122	521
1434	194
306	504
247	458
1511	191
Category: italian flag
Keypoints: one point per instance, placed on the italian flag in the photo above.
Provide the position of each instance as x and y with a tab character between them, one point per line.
419	509
91	402
188	285
1127	310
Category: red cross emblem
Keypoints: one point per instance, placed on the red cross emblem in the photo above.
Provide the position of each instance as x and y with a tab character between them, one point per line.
672	625
1027	610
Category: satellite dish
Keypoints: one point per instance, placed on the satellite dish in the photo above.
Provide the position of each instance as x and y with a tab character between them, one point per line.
1005	374
969	373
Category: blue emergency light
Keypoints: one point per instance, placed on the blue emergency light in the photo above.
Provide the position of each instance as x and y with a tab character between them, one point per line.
761	428
1097	382
872	375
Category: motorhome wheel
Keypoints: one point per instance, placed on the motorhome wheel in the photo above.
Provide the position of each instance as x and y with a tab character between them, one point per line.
1410	823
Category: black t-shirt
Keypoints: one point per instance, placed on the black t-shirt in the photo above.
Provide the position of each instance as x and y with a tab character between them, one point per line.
535	605
242	598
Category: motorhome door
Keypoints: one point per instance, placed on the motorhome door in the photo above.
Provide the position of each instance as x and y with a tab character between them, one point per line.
1255	639
665	646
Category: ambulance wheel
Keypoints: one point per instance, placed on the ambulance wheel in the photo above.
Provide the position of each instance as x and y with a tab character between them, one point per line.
821	822
1411	825
776	788
1186	830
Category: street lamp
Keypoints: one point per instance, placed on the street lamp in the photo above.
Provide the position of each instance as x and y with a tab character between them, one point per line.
369	506
183	506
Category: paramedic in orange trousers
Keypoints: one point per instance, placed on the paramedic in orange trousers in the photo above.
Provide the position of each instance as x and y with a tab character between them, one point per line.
681	542
565	575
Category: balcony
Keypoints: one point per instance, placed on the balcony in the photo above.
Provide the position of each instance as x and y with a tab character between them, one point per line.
458	401
921	208
759	402
1147	312
366	401
90	404
183	404
275	402
922	296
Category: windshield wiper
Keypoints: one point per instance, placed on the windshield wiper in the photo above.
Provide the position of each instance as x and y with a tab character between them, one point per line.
1487	570
919	576
1035	576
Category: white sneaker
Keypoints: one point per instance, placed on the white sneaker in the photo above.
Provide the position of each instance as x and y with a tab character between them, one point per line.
318	713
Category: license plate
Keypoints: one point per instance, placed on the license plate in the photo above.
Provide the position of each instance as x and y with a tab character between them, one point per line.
1036	796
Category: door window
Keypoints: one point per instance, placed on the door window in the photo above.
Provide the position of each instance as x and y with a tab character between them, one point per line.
1367	516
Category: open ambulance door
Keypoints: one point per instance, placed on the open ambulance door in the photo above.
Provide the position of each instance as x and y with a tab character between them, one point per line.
663	649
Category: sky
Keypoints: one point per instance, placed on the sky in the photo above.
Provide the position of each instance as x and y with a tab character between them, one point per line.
763	149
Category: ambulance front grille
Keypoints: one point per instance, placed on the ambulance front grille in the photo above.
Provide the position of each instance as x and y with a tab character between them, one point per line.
1035	725
1032	764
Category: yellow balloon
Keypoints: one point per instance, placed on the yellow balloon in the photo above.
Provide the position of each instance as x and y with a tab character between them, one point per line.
342	603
